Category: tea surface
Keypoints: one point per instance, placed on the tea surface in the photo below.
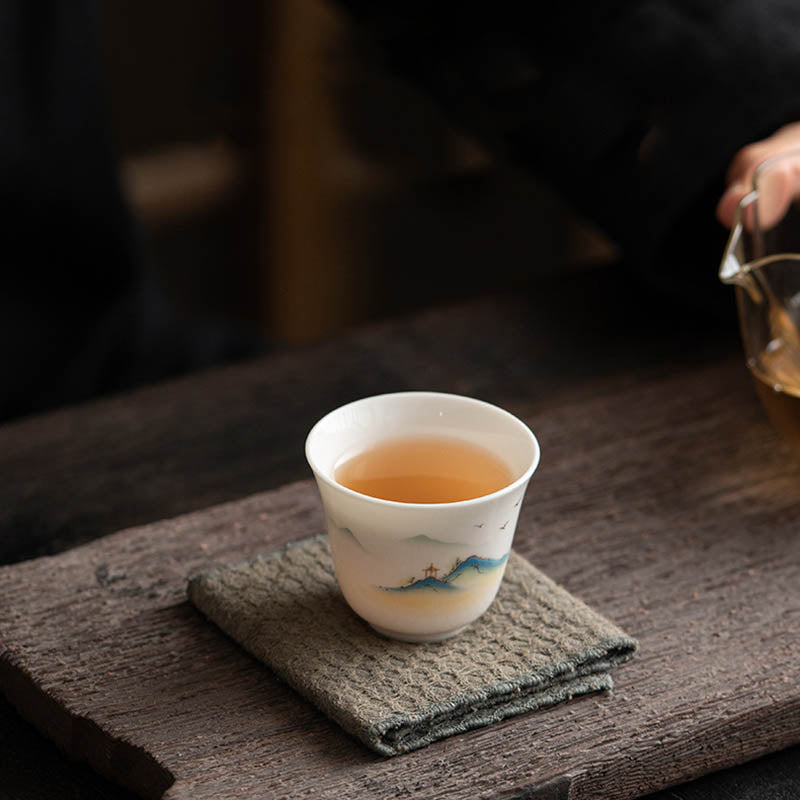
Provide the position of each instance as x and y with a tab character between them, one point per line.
428	469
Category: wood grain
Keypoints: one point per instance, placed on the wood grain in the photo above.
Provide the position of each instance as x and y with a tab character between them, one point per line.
84	472
669	506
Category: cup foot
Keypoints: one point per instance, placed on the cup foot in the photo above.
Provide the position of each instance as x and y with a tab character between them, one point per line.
417	637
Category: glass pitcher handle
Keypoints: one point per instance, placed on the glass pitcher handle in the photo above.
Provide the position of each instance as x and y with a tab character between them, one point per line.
734	267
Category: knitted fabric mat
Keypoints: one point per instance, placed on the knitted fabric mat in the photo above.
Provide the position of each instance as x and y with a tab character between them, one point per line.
537	645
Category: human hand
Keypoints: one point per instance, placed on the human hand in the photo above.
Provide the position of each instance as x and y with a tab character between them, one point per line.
778	187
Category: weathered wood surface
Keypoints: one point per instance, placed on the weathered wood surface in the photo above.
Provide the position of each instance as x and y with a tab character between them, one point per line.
668	506
83	472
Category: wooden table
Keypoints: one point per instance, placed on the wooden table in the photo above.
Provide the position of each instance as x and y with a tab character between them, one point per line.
557	352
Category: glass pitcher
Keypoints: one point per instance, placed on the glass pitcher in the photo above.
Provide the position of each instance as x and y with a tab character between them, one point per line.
762	260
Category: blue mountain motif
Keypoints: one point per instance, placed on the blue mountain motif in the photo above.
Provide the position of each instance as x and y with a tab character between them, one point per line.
447	583
478	564
425	583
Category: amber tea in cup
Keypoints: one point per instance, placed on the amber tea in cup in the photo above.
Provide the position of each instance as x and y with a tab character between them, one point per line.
424	469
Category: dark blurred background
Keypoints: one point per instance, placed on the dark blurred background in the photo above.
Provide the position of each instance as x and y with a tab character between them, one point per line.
184	184
285	177
192	183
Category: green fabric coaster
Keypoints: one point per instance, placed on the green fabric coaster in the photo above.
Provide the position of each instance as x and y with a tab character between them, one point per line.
536	646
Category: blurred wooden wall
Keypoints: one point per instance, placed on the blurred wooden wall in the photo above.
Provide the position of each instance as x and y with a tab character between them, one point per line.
185	91
309	244
284	178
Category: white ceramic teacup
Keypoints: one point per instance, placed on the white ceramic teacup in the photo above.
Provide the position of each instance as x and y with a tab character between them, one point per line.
420	571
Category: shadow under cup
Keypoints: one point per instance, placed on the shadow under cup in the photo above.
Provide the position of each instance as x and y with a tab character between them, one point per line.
420	571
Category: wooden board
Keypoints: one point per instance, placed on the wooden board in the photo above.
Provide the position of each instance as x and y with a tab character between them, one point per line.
669	507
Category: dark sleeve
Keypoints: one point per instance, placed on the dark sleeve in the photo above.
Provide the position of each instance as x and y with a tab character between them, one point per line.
631	109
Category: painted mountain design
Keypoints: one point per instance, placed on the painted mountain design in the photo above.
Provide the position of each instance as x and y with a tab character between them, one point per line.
419	539
457	579
424	539
348	534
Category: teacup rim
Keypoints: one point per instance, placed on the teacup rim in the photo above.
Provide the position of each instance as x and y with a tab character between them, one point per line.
522	480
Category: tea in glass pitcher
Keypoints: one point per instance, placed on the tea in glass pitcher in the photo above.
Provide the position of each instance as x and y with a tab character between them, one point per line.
777	377
762	259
